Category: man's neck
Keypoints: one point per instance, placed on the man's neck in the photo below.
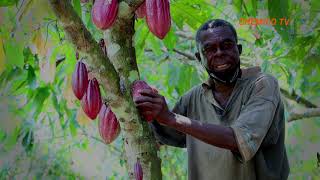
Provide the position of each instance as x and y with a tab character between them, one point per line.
223	88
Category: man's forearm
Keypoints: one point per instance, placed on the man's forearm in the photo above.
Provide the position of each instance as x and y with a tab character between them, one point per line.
217	135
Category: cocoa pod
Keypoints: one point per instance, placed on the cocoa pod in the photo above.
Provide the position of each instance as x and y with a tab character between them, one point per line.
104	13
138	85
91	101
138	170
158	17
141	11
109	127
80	80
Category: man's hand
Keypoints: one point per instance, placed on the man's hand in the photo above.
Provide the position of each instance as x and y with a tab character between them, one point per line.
153	105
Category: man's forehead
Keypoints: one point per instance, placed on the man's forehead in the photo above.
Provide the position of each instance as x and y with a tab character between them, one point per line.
218	33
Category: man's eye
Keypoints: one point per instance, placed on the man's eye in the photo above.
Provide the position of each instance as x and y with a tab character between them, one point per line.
227	45
209	49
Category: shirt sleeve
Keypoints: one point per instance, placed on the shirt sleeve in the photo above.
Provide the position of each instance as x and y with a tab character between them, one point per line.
167	135
256	116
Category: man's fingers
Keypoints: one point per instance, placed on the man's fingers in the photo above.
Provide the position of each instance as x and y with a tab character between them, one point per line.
148	92
146	106
142	99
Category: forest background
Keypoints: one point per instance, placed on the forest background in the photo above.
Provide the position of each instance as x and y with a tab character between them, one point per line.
45	134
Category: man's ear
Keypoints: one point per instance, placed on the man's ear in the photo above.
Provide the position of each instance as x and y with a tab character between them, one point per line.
197	54
239	48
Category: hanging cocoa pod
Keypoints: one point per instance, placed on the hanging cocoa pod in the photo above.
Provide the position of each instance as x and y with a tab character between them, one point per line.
141	11
158	17
91	102
104	13
80	80
109	127
138	85
138	170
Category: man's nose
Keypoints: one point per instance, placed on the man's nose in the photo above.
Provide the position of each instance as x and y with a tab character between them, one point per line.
218	52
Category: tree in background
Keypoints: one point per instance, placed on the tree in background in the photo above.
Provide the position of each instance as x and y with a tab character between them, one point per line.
39	40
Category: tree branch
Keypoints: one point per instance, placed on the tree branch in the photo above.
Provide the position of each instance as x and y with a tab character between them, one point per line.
297	98
308	113
98	64
185	54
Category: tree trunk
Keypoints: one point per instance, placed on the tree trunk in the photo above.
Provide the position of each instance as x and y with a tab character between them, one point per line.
116	73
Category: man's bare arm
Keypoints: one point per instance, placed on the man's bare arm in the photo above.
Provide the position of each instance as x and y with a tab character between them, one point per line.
153	104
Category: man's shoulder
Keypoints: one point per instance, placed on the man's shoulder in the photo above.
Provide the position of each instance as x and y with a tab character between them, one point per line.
256	76
266	80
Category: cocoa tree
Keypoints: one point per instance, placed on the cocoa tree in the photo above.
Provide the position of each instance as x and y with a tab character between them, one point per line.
289	53
115	73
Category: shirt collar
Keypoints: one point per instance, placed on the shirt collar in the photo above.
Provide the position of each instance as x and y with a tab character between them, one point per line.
246	73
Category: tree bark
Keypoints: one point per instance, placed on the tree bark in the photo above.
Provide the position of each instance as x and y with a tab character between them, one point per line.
116	73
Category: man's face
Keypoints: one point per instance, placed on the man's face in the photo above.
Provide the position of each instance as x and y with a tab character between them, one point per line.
218	51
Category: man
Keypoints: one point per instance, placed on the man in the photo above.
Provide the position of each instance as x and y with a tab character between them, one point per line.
233	124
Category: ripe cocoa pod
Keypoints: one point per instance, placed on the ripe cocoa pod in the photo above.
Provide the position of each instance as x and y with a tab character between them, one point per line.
104	13
138	170
141	11
158	17
91	101
109	127
138	85
80	80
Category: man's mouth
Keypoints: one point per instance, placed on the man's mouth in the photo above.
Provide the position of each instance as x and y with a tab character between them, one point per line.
222	67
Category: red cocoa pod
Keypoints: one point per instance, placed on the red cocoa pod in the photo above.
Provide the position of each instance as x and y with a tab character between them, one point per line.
141	11
138	85
80	80
158	17
104	13
109	127
138	170
91	102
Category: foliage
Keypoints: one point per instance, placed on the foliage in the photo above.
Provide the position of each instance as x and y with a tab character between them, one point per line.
38	106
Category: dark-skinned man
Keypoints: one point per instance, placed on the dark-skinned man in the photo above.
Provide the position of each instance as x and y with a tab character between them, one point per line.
233	124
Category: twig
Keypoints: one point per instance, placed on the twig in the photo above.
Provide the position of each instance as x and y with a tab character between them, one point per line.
297	98
186	54
308	113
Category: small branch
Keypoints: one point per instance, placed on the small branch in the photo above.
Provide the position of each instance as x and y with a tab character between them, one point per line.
185	35
186	54
308	113
297	98
60	59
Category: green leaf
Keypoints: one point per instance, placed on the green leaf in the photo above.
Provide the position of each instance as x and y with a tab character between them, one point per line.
279	10
265	66
37	103
28	140
8	2
77	6
12	139
155	44
170	40
73	127
13	51
140	37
